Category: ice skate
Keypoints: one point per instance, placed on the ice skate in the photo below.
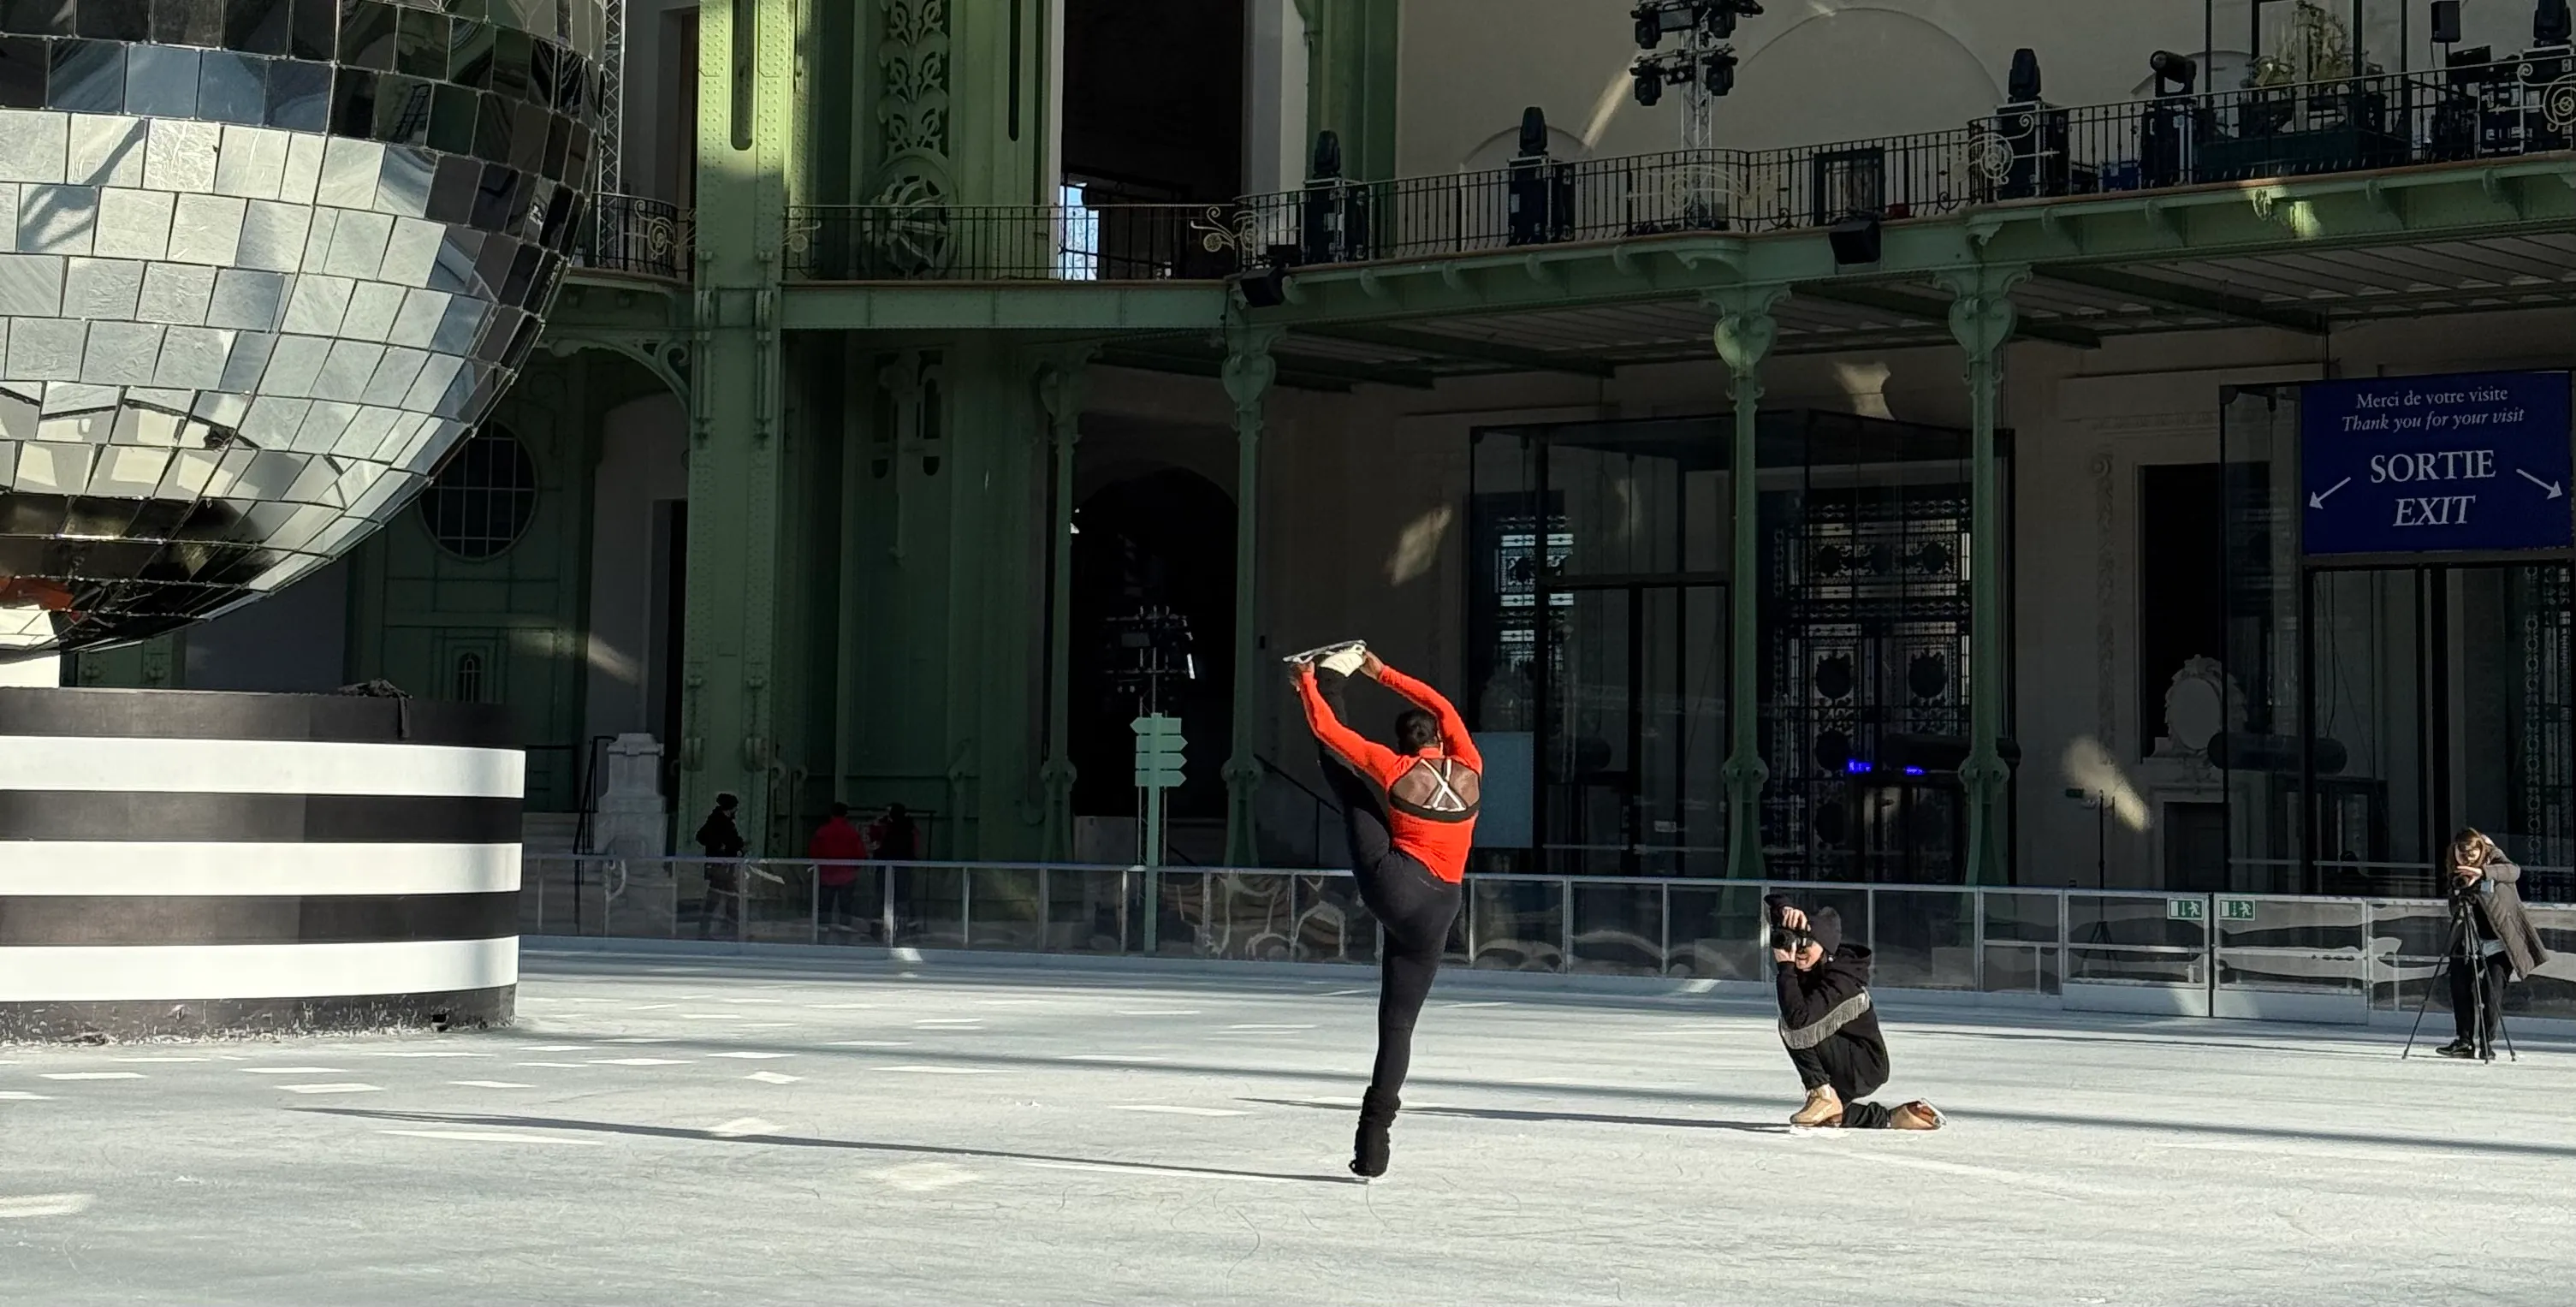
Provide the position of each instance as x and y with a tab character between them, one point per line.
1326	655
1824	1108
1917	1115
1369	1147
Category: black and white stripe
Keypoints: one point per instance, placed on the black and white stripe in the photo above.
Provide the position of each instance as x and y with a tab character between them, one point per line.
175	862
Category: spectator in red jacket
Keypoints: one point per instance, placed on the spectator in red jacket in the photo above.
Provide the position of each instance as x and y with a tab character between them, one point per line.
837	849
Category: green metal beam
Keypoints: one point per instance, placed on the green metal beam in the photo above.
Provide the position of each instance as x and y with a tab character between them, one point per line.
1442	345
1069	308
1342	374
1926	309
1186	365
2159	292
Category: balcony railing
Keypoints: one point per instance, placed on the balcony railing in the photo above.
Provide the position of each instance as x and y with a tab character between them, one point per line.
628	233
2349	124
1132	242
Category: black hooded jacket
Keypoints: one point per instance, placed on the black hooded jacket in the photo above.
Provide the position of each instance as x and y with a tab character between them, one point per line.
1830	1001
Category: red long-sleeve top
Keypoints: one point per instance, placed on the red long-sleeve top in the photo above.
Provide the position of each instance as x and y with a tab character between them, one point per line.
1433	796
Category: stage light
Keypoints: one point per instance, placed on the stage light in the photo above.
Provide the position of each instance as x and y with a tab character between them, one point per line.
2446	22
2025	76
1718	75
2180	71
1649	83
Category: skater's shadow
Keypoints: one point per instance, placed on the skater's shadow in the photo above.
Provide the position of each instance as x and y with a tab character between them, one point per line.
1524	1114
491	1121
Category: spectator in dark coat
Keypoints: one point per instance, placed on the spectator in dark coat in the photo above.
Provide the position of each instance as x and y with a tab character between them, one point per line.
2501	942
722	842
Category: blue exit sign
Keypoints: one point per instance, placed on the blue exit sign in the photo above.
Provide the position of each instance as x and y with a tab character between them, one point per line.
2411	465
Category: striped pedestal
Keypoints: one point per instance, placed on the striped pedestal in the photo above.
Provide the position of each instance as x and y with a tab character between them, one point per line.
181	863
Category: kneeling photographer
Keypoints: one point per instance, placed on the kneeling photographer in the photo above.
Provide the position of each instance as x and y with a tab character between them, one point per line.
1828	1025
2492	939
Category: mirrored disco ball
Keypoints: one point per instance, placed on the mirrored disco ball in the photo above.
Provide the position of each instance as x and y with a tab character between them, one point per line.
262	264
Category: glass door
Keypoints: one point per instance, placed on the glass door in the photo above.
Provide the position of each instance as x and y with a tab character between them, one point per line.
1636	732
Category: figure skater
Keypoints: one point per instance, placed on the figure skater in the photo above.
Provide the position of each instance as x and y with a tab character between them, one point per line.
1411	817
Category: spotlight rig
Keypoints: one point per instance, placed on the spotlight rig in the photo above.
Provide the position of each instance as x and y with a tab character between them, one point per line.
1700	59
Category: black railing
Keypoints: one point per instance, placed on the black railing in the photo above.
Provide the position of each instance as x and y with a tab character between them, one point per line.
628	233
1126	242
2352	124
2356	124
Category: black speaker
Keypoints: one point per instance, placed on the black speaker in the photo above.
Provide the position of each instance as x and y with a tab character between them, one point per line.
2446	21
1855	240
1265	289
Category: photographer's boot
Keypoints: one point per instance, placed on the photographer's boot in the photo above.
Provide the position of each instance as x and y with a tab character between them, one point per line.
2459	1048
1824	1108
1369	1147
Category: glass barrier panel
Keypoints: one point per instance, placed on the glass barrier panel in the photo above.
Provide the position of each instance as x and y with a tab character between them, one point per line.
2112	965
1618	930
637	900
1005	911
1518	925
2406	943
2021	918
1086	910
929	906
1716	932
532	897
1925	939
2292	945
1180	911
2136	922
1332	925
1251	917
2552	993
710	896
778	903
2020	969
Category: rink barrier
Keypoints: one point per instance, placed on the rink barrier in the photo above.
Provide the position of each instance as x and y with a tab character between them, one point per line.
2262	957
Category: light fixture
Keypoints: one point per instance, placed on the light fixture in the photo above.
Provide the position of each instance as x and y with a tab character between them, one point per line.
2175	73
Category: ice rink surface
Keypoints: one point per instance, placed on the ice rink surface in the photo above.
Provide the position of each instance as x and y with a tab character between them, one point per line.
663	1130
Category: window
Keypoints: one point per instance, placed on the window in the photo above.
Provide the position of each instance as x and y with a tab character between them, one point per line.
466	685
482	501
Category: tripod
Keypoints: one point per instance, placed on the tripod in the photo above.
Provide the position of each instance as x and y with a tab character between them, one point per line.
2464	937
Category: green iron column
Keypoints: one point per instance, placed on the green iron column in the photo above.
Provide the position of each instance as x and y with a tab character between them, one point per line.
746	67
1060	389
1745	334
1982	318
1351	51
1249	370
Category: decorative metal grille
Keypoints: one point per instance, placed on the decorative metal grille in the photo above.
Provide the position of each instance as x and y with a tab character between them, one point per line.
1866	634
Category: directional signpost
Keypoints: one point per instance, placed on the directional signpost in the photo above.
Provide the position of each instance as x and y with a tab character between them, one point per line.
1159	759
2413	465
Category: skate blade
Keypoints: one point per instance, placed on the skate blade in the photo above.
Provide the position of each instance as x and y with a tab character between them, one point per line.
1322	652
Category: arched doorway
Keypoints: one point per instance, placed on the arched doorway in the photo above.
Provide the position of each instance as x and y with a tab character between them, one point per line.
1160	539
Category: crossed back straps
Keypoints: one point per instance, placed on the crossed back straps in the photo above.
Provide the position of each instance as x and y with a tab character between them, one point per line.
1438	789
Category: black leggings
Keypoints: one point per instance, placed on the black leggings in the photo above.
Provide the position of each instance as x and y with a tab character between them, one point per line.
2468	976
1853	1070
1415	906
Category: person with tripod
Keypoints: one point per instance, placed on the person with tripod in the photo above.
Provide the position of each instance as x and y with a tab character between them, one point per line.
2491	939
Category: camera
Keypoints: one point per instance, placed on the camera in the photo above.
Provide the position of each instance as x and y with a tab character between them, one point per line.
1790	941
